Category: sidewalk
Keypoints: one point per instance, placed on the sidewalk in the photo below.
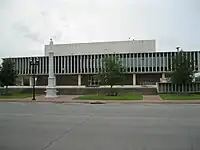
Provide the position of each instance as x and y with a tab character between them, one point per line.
152	99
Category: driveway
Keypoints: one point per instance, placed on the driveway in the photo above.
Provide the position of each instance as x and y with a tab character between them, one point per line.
47	126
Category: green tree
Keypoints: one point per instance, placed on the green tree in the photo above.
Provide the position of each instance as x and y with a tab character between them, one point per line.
183	68
112	71
8	73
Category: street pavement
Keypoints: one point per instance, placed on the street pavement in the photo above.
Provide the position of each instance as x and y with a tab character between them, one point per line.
50	126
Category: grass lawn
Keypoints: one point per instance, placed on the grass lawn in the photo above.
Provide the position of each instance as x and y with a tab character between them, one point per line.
16	95
180	97
127	96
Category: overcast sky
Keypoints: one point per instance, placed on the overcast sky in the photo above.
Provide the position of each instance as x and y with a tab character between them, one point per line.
26	25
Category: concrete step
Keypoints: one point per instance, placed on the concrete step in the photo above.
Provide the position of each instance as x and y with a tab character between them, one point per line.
151	97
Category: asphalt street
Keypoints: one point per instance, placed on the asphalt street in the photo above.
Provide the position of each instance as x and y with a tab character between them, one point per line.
45	126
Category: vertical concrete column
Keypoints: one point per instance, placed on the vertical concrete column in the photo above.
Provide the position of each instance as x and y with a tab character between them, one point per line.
79	80
30	81
163	75
36	81
22	81
134	79
54	80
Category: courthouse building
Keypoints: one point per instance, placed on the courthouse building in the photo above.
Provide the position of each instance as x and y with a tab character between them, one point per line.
76	64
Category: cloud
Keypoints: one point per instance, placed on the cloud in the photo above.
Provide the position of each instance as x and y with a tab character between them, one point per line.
28	33
57	35
44	14
36	35
30	23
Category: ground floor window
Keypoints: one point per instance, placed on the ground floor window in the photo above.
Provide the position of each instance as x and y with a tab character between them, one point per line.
92	81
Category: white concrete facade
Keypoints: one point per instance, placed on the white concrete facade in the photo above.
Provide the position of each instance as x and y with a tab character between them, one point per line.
138	57
136	46
152	62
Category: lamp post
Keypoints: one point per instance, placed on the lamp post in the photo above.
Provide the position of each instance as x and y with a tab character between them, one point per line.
34	64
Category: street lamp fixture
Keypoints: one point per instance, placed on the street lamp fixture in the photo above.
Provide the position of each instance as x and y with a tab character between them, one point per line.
34	63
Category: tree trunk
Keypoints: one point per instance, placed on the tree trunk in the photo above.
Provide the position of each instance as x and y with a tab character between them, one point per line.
6	90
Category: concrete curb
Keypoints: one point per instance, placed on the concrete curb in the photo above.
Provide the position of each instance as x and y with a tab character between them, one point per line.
104	102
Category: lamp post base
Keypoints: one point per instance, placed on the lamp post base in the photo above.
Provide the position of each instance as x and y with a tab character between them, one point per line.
51	92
